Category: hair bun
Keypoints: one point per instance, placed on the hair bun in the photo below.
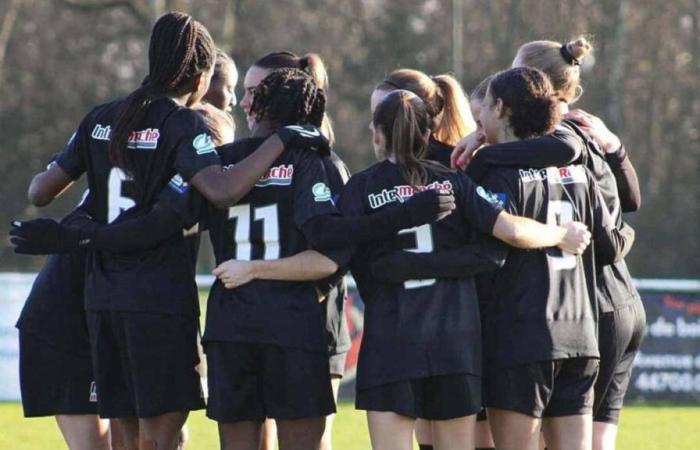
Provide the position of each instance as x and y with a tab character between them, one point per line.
579	48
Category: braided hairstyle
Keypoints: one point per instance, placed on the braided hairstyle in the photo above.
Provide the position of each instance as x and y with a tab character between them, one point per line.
310	63
289	97
180	48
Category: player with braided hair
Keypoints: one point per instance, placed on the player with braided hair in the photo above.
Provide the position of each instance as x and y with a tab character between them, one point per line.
246	244
130	149
289	96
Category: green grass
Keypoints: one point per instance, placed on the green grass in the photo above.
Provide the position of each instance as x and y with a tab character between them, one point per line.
642	428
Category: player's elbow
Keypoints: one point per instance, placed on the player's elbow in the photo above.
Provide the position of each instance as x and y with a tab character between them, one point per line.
218	197
326	267
38	196
631	205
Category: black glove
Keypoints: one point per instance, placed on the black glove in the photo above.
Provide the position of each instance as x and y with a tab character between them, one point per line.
46	236
304	136
427	206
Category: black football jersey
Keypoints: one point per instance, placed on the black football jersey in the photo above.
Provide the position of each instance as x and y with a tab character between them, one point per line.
614	286
266	224
542	303
440	152
614	283
421	327
337	332
170	139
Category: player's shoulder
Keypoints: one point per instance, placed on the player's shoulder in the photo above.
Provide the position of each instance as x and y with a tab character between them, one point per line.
177	116
103	113
240	148
374	172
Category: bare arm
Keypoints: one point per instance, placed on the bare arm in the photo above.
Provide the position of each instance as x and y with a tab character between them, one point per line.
522	232
224	188
48	185
308	265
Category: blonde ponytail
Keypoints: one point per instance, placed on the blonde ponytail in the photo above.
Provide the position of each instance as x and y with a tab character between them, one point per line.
456	120
561	63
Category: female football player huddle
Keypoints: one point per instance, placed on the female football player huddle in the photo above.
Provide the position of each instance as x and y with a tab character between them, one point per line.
468	240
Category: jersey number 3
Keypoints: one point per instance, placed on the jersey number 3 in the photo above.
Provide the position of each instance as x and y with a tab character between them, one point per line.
424	244
242	235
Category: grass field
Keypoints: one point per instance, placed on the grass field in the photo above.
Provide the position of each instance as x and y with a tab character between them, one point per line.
642	428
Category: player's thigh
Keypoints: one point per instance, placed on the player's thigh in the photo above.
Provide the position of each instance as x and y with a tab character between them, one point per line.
390	431
84	431
242	435
568	432
300	434
513	429
604	436
454	434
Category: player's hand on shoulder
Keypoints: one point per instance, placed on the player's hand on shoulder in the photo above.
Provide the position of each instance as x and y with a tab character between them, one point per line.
43	237
233	273
429	206
465	149
304	136
576	239
596	129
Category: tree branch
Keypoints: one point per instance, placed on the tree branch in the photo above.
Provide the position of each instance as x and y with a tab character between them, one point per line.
8	23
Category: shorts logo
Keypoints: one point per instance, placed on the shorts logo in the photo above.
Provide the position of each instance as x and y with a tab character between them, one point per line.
321	192
277	176
203	144
93	392
402	193
178	185
139	139
488	196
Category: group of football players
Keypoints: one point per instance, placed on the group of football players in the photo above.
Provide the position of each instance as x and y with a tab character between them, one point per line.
487	244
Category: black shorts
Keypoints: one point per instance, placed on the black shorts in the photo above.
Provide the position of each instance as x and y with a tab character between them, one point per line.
251	381
620	335
439	397
559	388
54	381
336	364
144	363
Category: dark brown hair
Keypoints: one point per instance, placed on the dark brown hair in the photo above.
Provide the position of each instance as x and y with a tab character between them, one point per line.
289	97
180	48
310	63
529	100
444	99
404	120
